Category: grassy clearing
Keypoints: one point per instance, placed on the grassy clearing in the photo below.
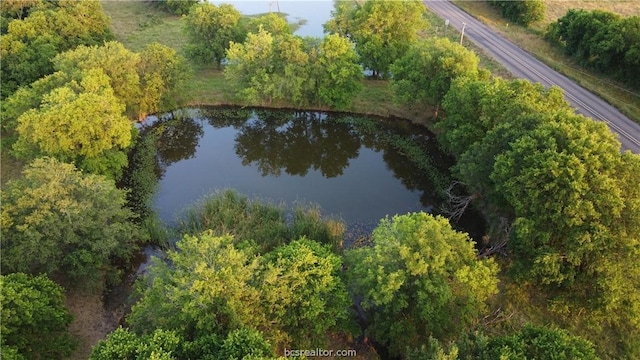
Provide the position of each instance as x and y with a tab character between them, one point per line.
556	9
530	39
138	23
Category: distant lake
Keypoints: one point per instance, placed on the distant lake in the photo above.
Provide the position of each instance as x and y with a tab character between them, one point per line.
315	12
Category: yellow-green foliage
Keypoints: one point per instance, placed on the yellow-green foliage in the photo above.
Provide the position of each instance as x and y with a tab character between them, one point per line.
421	278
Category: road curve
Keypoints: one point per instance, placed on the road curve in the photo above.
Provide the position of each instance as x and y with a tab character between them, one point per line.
523	65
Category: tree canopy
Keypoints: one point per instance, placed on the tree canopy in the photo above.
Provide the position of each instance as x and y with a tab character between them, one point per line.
268	68
78	113
35	322
57	220
210	29
382	30
424	74
30	43
602	41
560	181
80	122
214	287
521	12
421	278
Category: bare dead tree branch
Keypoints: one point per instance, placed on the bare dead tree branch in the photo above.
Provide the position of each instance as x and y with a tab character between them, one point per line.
496	317
457	204
499	246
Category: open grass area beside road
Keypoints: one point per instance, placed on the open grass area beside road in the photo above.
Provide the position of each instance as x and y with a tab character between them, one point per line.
531	40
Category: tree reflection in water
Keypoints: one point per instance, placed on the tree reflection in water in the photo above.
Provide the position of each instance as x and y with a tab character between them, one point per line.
296	143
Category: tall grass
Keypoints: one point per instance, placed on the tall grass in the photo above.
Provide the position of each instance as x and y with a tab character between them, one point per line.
265	225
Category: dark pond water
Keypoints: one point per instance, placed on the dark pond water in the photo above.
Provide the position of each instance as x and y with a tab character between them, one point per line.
354	168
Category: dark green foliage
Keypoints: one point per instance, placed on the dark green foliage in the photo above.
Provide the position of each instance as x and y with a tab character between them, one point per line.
30	43
56	219
432	350
523	12
424	74
537	342
178	7
141	175
560	179
602	41
210	29
35	321
421	278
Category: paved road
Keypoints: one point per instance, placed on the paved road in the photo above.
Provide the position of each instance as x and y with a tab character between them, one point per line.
523	65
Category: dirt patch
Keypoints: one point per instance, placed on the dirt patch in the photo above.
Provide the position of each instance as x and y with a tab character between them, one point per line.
91	322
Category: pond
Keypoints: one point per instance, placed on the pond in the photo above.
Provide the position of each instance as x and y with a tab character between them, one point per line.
359	169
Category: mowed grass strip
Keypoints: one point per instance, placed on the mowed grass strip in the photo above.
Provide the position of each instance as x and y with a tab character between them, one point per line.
531	40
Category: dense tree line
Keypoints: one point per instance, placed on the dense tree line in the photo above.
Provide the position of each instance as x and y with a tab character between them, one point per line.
559	196
252	294
523	12
81	113
38	30
560	181
602	41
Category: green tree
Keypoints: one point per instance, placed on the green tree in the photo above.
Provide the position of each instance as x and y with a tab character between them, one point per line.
420	279
163	74
538	342
29	44
178	7
382	30
119	64
266	68
245	344
560	180
207	289
522	12
210	29
473	107
124	344
424	74
337	75
57	220
35	322
302	292
273	23
81	122
147	82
